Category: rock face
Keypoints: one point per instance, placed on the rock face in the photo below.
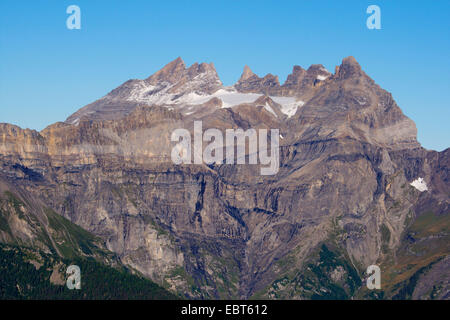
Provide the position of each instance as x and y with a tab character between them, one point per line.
298	83
341	200
250	82
26	221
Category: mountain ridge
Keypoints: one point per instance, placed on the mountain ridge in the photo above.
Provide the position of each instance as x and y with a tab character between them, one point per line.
174	75
343	198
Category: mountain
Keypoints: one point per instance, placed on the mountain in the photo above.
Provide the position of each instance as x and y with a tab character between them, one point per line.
354	186
164	87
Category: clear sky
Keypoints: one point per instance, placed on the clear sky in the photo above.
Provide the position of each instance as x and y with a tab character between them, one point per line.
47	71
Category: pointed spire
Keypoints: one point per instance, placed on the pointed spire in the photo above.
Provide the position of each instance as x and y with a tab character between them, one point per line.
350	60
348	68
170	72
246	74
175	65
203	67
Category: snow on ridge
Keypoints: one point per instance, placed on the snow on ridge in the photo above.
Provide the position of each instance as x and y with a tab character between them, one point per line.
419	184
141	93
321	78
230	97
236	98
269	108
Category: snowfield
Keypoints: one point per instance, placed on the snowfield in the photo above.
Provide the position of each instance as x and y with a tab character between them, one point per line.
228	95
419	184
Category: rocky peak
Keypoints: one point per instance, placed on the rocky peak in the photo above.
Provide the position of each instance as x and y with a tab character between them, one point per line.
197	69
349	68
250	82
171	72
317	70
246	74
176	72
164	87
199	78
300	81
295	77
352	105
270	78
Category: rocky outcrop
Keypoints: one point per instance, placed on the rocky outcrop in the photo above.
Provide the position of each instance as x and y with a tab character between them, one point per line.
250	82
298	83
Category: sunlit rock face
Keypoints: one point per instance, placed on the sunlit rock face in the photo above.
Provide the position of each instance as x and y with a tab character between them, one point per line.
346	186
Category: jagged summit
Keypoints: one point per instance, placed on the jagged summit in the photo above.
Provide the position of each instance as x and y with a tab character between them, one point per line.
296	74
176	71
350	60
171	72
164	87
246	74
348	68
250	82
339	97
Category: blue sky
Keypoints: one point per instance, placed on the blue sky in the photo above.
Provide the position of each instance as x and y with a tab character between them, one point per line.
47	72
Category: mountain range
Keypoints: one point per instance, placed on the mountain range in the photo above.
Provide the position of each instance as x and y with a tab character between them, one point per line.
354	188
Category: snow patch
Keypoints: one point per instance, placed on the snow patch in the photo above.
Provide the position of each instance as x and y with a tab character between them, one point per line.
269	108
321	78
234	98
419	184
160	95
229	98
289	105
